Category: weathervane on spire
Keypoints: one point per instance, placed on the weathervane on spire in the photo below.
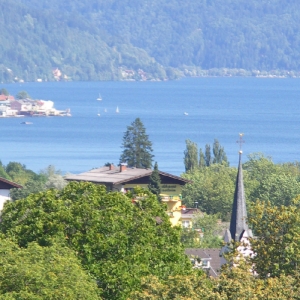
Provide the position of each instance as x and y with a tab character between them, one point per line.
241	141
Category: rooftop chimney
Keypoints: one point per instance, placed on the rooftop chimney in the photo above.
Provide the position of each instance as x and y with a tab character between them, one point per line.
111	167
123	167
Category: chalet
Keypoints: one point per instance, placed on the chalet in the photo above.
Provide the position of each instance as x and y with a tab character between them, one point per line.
125	179
5	187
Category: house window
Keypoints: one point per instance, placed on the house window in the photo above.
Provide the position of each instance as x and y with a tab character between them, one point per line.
185	224
205	264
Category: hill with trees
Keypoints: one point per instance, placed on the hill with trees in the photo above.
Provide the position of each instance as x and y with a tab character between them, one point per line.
142	40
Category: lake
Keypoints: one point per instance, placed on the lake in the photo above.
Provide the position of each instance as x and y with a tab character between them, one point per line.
266	110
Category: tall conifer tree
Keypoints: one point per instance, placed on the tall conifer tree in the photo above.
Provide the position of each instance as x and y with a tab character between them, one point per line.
137	147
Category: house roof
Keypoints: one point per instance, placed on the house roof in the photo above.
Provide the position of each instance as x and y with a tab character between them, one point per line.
7	184
4	97
189	213
212	254
115	175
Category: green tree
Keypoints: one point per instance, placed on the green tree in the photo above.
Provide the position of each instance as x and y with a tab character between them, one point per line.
190	156
54	179
202	163
117	240
40	273
207	155
30	187
210	228
154	185
137	146
264	180
3	172
277	238
206	232
213	188
4	92
188	287
19	173
22	95
219	153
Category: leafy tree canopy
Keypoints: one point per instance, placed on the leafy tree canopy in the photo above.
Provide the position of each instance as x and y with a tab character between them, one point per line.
4	92
40	273
277	242
213	188
118	241
22	95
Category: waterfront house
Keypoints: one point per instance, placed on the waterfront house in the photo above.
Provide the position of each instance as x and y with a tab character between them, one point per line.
22	106
7	98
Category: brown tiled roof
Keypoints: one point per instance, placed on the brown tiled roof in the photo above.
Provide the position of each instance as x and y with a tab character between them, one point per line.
115	176
7	184
190	211
211	253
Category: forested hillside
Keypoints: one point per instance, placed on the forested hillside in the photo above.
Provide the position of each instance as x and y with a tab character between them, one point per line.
113	39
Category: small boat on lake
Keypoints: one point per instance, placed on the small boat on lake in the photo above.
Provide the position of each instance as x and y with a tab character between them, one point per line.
99	98
185	113
117	110
26	123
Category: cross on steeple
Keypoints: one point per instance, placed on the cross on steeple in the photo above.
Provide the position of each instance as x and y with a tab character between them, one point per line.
241	141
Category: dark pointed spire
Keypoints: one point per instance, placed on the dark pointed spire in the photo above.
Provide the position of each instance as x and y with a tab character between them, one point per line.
238	223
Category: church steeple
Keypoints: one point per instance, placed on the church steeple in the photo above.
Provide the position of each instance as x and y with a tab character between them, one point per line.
238	223
238	230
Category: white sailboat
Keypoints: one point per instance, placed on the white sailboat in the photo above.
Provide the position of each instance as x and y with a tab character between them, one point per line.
98	114
117	110
99	98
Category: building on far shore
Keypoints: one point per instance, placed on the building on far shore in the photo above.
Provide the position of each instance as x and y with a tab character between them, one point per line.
124	179
5	187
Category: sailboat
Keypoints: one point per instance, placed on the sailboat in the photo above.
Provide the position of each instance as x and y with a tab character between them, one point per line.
117	110
98	114
99	98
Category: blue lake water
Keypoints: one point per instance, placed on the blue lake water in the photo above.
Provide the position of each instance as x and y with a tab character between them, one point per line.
266	110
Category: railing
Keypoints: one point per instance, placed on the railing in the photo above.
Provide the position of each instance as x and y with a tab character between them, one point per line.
170	198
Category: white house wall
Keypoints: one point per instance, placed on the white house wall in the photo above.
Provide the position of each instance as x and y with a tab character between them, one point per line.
4	196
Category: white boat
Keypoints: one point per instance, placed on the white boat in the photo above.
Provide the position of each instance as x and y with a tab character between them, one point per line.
185	113
99	98
98	114
105	110
117	110
27	123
